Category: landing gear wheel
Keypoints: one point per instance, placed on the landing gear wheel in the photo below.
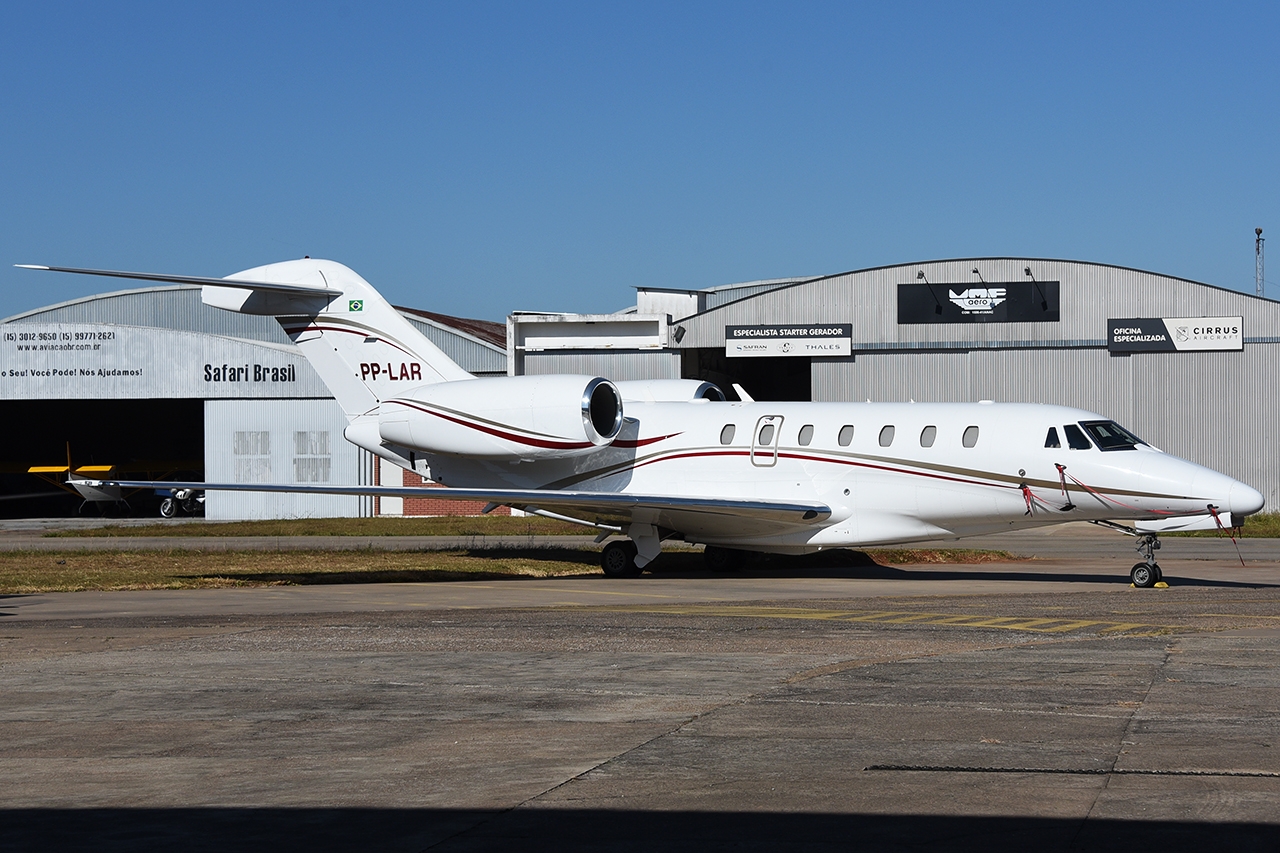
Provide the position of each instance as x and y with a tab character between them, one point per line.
618	559
719	559
1145	576
168	507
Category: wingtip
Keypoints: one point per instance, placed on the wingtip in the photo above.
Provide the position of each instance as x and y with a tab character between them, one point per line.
31	266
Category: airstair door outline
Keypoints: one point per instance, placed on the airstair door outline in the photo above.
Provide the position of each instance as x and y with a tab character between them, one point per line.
764	441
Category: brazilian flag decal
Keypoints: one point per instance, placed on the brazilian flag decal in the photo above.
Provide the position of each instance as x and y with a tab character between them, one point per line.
355	305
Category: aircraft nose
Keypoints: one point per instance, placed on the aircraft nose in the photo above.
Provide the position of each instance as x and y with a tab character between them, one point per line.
1245	500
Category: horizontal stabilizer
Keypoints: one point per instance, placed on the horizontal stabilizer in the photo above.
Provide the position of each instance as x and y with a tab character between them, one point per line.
268	286
685	514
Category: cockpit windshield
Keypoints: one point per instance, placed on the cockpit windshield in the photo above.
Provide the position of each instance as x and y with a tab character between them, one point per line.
1109	435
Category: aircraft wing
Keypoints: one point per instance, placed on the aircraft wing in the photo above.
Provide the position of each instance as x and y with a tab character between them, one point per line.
688	515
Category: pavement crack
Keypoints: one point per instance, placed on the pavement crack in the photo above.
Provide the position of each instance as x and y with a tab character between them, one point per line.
1157	674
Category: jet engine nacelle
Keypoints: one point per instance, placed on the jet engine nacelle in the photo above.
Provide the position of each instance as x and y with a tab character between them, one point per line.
668	391
506	417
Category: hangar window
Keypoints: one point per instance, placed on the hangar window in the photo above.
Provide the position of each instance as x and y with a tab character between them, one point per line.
928	436
886	436
312	462
1075	438
726	434
846	435
806	435
970	438
252	452
1051	440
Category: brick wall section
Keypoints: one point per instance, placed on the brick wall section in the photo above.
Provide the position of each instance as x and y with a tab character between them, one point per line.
436	506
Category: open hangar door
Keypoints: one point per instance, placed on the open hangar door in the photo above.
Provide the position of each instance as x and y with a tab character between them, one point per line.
776	378
143	439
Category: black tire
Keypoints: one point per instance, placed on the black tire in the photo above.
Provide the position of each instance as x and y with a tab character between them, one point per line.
719	559
1144	576
1159	573
618	559
168	508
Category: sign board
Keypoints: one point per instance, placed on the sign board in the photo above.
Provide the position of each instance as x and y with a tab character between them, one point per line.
1175	334
989	302
831	339
73	361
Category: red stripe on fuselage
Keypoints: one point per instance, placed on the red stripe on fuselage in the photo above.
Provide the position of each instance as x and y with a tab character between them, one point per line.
643	442
518	439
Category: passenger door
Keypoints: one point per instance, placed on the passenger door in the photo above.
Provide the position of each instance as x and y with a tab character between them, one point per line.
764	441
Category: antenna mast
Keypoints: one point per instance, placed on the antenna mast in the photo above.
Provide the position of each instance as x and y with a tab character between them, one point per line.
1257	250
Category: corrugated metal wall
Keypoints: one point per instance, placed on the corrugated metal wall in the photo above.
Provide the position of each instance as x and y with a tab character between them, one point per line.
468	353
1090	294
281	441
618	366
177	308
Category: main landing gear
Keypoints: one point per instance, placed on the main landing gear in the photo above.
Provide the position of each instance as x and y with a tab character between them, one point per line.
618	559
1147	574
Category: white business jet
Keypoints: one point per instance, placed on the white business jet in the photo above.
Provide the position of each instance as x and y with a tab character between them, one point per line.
671	459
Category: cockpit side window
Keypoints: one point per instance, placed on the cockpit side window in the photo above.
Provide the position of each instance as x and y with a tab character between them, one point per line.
1051	440
1109	435
1075	438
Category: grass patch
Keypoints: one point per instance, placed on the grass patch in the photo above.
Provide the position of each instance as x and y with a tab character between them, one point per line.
915	556
26	572
482	525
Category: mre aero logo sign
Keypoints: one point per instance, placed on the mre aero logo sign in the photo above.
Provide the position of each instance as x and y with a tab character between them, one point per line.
1175	334
993	302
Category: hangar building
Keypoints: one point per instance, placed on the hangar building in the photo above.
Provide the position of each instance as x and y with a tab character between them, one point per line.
1183	364
162	386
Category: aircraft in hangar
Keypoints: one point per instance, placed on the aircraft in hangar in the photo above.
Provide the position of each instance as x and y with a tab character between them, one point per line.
672	459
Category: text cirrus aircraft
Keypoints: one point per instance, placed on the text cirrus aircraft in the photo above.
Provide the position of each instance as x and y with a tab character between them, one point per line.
670	459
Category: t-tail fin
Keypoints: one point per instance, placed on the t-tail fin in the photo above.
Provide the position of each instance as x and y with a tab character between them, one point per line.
363	349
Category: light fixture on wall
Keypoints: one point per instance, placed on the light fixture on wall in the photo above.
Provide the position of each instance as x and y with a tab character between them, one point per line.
937	306
979	275
1044	300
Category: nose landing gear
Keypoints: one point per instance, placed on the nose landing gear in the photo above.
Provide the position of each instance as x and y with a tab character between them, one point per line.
1147	574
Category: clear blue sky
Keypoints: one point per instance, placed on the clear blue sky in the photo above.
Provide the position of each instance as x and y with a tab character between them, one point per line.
476	158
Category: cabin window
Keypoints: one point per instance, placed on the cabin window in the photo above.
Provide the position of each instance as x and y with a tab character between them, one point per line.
806	435
928	435
1075	438
970	438
886	436
766	434
846	435
1109	435
726	434
1051	440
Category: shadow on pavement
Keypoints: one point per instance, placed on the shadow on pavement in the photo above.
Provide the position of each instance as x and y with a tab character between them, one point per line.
564	831
833	564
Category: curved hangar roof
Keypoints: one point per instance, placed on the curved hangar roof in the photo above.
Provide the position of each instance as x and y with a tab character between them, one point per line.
164	342
1087	296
